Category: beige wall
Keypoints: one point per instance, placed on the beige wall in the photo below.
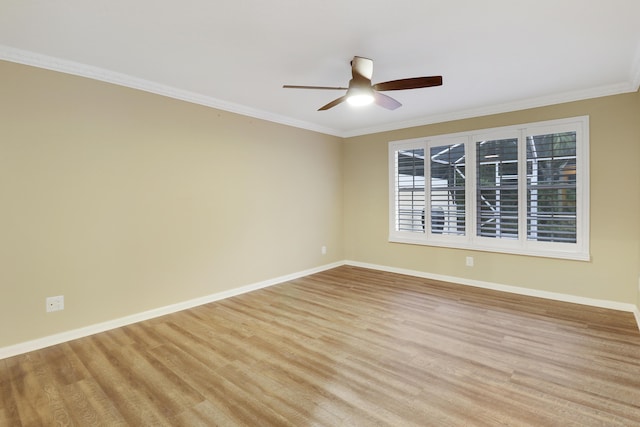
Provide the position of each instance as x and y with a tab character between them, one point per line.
124	201
615	206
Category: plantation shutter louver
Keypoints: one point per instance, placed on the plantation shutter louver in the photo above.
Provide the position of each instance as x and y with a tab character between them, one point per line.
497	188
410	190
447	191
551	187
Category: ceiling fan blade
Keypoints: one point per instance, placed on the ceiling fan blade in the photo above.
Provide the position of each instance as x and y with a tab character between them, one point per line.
333	103
361	67
386	101
412	83
314	87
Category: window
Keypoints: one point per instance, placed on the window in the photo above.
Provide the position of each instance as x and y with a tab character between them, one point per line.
497	188
520	189
410	194
551	187
447	194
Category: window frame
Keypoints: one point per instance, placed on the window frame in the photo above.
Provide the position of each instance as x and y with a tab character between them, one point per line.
471	240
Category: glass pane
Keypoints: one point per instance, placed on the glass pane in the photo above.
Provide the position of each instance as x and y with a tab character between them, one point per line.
551	187
497	188
448	189
410	190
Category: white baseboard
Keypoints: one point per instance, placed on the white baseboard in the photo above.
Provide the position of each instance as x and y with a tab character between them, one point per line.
614	305
47	341
39	343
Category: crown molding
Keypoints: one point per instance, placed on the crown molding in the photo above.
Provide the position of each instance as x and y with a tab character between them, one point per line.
635	70
75	68
615	89
82	70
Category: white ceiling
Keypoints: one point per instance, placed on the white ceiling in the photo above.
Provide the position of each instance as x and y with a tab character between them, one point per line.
494	55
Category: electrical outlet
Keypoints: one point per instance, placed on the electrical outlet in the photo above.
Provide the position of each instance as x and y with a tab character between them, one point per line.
323	250
469	261
55	303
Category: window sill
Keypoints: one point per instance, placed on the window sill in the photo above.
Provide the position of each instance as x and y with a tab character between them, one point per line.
503	249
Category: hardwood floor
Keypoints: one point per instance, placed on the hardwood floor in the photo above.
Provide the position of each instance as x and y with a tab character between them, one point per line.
346	347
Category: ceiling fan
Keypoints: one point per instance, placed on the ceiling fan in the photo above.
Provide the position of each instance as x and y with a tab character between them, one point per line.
361	91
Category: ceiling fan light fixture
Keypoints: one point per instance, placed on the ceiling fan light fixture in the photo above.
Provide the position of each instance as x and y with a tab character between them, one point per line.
360	96
360	99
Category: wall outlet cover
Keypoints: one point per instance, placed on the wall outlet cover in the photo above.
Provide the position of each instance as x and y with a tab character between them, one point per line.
55	303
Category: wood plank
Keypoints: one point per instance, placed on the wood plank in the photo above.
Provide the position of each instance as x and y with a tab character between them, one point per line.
348	346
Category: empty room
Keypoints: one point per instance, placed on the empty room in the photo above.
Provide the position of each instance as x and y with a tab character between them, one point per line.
320	214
